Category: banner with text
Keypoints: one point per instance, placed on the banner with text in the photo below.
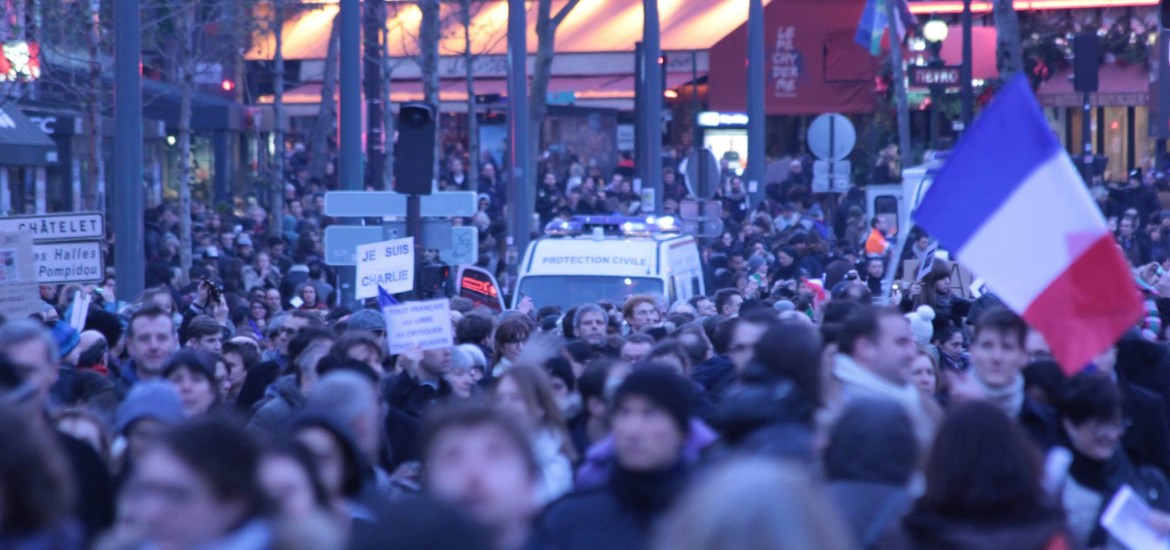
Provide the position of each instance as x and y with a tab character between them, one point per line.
19	294
387	263
426	325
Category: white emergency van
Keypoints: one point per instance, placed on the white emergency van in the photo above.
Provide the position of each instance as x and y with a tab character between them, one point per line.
592	258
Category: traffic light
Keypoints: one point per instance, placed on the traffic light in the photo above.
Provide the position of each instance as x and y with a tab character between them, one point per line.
227	85
1164	13
415	150
432	281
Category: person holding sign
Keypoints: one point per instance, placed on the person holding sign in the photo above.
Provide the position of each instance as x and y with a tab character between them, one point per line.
1093	421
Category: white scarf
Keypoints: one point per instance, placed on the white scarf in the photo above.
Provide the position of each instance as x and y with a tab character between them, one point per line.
1009	399
857	381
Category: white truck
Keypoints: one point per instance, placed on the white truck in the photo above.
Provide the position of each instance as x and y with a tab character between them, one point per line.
592	258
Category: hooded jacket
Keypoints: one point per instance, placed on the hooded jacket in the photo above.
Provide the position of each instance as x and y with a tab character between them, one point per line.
281	400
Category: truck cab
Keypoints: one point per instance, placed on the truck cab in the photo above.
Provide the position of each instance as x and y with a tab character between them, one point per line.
593	258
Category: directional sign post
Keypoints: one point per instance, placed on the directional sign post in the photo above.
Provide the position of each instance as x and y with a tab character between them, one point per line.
67	248
364	204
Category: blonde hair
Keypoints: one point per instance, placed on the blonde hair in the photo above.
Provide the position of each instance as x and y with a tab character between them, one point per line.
754	503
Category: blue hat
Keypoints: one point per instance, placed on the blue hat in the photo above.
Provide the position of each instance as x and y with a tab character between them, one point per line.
156	400
66	337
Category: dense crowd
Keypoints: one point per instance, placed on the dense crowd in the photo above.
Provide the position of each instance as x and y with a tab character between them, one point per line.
800	404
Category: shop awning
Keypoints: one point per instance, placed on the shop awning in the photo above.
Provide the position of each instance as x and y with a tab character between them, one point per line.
812	63
593	26
1119	85
982	51
23	143
453	90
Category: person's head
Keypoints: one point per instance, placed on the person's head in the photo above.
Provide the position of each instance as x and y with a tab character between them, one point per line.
258	309
949	341
293	324
746	332
874	267
636	347
474	329
150	340
205	334
147	412
879	340
341	466
997	349
640	312
481	460
308	293
527	392
240	354
460	376
435	363
924	373
273	300
651	418
32	349
351	399
873	442
196	486
369	323
753	502
1091	412
305	365
1125	227
192	373
360	347
510	338
982	465
288	476
36	486
791	350
727	302
671	352
591	324
703	305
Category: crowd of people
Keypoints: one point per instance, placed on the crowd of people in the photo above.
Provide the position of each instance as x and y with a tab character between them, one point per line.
799	404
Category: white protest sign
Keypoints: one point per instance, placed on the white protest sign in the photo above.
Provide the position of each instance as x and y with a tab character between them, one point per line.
426	325
387	263
19	294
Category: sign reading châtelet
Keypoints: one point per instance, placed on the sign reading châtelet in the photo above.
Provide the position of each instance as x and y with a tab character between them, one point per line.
58	227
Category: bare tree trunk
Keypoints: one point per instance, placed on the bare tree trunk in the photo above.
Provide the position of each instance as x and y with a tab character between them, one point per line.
428	38
276	204
186	24
472	115
388	116
546	36
1009	57
327	116
96	167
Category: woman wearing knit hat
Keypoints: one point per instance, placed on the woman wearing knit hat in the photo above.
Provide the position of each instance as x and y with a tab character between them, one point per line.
651	421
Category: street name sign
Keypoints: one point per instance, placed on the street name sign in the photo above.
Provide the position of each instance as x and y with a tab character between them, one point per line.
389	264
387	204
69	262
58	227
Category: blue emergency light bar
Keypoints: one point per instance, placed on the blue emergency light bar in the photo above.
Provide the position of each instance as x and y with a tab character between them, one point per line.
623	225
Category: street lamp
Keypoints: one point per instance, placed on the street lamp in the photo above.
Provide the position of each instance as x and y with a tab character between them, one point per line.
935	32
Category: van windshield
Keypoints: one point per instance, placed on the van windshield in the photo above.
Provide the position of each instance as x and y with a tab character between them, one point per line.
572	290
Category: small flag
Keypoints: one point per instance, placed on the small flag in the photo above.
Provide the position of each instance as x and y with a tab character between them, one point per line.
1013	208
874	23
385	299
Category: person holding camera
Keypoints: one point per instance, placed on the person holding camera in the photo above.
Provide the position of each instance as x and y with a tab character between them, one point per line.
209	301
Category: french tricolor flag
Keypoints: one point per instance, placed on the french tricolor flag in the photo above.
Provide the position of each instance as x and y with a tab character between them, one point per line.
1011	206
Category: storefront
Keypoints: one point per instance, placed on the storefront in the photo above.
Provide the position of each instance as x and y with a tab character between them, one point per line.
26	153
1119	117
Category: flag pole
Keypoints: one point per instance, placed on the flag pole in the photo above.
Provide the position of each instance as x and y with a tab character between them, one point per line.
907	157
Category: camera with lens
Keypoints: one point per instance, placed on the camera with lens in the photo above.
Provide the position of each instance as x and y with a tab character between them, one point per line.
214	291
